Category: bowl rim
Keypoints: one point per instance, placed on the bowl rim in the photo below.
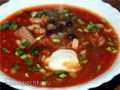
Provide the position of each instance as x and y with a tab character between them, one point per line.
99	5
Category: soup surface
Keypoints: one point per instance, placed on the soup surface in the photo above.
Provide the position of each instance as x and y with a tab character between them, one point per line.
56	46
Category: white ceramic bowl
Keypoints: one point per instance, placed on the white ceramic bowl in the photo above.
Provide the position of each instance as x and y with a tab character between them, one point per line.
97	6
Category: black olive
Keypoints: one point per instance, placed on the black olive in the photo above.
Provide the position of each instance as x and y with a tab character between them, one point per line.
49	32
60	27
71	36
69	23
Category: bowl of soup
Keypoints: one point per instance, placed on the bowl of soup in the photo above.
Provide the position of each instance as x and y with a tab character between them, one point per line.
58	44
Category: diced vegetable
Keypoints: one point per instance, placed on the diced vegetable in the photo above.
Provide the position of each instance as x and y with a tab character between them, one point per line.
55	38
40	37
36	68
98	67
34	14
5	50
28	61
19	52
42	70
111	49
15	68
83	58
75	43
35	52
24	33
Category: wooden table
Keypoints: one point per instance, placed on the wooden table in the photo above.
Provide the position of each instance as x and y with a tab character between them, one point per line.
112	85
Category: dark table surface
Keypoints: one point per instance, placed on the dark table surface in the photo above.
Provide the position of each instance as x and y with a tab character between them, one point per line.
114	84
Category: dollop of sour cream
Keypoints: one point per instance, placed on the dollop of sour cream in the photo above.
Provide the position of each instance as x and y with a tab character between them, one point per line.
64	59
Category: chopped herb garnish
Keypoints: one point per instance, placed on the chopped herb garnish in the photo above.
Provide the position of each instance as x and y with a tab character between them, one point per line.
36	68
61	74
91	26
35	52
13	26
66	13
5	50
15	68
24	43
28	61
19	52
9	25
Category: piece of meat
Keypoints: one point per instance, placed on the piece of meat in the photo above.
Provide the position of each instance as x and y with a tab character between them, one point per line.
23	33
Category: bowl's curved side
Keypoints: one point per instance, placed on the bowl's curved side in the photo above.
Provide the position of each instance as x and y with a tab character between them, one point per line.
105	10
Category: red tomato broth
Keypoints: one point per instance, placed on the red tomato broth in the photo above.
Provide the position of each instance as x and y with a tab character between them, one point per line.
94	56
